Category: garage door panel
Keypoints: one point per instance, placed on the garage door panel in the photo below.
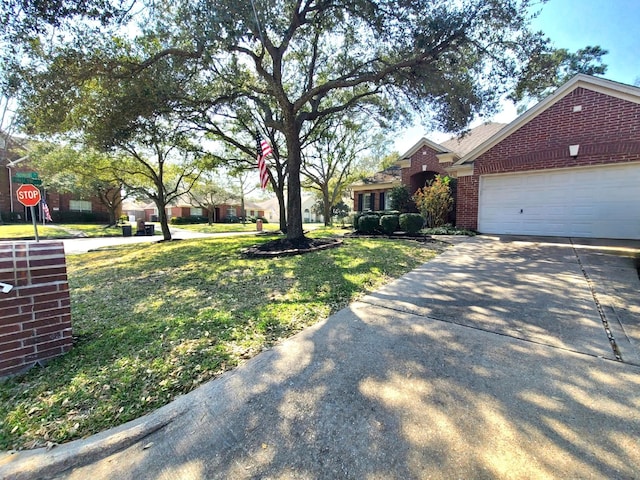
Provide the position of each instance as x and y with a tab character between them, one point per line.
589	202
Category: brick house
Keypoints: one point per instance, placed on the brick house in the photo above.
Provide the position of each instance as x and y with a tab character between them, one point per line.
63	207
420	164
569	166
182	208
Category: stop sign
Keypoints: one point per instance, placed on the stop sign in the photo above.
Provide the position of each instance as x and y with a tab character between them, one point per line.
28	195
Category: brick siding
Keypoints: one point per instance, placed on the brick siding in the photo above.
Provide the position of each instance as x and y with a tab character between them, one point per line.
424	160
607	129
35	317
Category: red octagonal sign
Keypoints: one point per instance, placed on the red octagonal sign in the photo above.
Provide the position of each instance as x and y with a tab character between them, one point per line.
28	195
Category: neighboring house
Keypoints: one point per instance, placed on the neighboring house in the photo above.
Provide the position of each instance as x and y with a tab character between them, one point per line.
271	209
63	207
307	206
569	166
182	208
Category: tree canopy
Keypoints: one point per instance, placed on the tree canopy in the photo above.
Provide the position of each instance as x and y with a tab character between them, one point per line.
296	62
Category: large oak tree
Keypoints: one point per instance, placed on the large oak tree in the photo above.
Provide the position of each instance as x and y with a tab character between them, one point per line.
314	59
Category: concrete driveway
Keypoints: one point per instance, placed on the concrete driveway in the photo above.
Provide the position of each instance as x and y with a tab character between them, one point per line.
501	358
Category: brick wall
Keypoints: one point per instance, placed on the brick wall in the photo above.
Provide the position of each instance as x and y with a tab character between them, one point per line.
35	317
607	129
424	160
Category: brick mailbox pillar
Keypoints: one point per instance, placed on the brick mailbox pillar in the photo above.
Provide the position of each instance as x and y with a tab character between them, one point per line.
35	308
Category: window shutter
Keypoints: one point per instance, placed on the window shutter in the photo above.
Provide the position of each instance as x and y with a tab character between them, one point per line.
373	202
360	200
382	206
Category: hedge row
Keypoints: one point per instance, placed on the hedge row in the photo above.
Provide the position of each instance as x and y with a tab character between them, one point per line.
200	219
387	222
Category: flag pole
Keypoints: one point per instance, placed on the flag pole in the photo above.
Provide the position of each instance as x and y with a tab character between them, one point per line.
255	14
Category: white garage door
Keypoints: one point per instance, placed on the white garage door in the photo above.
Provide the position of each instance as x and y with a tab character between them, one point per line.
599	202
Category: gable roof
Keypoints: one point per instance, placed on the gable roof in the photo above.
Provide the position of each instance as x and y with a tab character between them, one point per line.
389	175
600	85
421	143
463	144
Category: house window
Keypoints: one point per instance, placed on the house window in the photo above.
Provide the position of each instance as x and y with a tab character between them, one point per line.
366	205
231	211
79	206
195	212
307	215
385	201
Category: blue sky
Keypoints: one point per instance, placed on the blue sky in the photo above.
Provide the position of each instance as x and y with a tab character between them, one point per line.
614	25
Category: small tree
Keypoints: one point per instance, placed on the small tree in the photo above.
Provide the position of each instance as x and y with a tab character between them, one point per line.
400	199
435	201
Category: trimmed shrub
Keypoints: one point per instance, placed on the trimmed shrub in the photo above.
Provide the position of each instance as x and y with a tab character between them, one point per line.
368	223
188	220
79	217
411	222
389	223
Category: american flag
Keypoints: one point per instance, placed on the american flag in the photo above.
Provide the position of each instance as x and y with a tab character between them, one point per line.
264	149
45	211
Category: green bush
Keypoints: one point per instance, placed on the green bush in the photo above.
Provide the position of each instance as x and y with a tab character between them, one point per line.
389	223
368	223
79	217
188	220
355	218
411	222
401	199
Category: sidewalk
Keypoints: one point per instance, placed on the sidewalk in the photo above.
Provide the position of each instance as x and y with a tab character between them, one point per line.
490	361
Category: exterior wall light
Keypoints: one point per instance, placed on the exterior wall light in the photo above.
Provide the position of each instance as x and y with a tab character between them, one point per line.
573	150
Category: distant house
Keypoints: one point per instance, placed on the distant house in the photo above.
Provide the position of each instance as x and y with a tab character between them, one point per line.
569	166
272	210
181	207
64	207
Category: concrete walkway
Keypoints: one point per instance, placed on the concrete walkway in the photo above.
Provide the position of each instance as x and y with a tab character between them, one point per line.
501	358
74	246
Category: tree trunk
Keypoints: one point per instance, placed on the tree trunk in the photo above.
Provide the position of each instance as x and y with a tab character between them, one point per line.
164	222
210	213
112	215
294	200
326	207
282	209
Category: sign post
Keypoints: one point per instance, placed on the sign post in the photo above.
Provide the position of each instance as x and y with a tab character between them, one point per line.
29	196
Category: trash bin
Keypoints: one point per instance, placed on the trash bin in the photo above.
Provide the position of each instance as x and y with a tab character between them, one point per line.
149	230
126	230
259	225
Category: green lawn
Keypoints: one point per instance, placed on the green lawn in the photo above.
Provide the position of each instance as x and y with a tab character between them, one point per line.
227	227
92	230
56	231
153	321
25	232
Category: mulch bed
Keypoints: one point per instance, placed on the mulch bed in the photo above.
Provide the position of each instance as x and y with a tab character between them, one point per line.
284	247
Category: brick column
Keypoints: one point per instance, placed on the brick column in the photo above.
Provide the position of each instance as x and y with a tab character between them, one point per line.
35	316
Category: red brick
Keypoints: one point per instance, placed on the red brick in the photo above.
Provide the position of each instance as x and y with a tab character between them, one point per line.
9	366
44	354
18	352
602	129
37	290
53	313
